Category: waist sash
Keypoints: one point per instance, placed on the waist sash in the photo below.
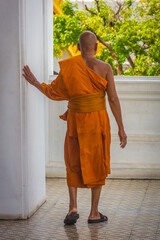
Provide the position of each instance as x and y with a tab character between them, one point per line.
88	102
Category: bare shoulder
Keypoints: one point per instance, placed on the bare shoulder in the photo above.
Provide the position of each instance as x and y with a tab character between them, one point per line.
105	65
100	62
105	68
108	66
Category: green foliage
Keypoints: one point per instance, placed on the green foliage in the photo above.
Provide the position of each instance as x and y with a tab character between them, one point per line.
129	33
68	8
66	32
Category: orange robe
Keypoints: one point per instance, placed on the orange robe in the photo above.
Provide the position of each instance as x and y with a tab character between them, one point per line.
88	136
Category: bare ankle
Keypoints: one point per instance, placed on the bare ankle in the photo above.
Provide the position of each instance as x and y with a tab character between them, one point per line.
94	213
94	216
73	209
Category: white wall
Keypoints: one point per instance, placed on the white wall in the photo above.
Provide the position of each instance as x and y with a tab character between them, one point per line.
10	119
22	112
140	102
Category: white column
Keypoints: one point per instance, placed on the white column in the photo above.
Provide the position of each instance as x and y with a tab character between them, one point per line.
22	115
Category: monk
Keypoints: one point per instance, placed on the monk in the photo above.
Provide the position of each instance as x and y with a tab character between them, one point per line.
84	81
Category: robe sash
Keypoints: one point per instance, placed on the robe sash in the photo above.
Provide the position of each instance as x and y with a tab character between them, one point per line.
88	102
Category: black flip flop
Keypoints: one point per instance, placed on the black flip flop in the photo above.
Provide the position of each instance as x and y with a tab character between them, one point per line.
101	219
71	218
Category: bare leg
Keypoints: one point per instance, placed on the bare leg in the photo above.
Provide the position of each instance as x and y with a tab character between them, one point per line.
73	199
94	214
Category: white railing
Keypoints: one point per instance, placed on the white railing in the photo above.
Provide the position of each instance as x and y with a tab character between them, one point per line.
140	103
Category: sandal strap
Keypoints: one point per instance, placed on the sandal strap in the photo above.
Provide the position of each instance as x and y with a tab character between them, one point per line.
102	216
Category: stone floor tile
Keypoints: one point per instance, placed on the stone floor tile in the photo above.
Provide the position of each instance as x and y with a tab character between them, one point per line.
132	207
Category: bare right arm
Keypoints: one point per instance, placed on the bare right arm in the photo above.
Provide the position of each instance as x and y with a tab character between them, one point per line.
28	75
115	106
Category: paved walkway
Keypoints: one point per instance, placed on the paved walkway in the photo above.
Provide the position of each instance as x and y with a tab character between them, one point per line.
132	206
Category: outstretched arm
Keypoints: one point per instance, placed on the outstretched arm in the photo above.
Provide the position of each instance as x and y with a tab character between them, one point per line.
55	90
115	106
28	75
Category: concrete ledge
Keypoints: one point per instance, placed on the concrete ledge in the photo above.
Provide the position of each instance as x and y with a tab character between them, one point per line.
55	169
134	173
121	170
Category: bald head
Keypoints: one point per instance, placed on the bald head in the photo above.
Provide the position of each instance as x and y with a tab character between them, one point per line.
87	41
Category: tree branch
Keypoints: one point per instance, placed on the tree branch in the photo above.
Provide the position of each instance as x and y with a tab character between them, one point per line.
94	13
108	46
89	10
119	8
104	20
98	8
130	62
97	3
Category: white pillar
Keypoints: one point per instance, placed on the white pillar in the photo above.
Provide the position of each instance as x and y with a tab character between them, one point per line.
22	118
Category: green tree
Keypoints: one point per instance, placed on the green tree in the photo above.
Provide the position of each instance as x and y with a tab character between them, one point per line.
128	33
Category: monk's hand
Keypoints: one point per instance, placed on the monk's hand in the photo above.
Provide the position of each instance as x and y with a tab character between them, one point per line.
123	138
28	75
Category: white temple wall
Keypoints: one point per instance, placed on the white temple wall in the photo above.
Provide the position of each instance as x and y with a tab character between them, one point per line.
140	104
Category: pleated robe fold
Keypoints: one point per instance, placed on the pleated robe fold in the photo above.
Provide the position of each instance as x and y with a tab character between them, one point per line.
88	135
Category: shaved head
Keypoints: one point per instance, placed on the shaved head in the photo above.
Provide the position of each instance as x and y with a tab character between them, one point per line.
87	41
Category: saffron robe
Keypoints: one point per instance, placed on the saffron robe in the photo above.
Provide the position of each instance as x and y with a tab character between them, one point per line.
88	135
